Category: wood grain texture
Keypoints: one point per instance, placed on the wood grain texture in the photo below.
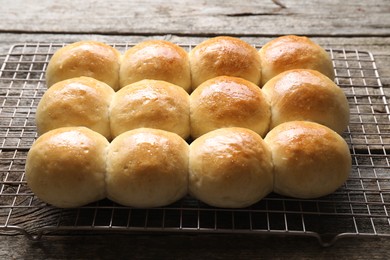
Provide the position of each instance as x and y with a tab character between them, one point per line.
257	18
143	246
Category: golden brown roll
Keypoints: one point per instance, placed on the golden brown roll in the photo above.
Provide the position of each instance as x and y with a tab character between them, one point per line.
156	59
303	94
310	160
230	167
151	103
85	58
66	167
293	52
224	56
228	101
79	101
147	168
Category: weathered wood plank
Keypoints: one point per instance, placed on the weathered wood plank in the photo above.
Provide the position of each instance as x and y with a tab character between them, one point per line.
189	247
256	18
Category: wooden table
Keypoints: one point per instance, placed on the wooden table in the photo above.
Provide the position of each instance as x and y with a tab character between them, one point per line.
351	25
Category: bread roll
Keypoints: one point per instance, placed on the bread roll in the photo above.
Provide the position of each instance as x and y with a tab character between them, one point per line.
230	167
303	94
310	160
228	101
66	167
224	56
150	103
79	101
85	58
147	168
293	52
156	59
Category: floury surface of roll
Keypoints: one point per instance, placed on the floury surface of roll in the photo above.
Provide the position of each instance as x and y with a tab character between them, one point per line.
228	102
151	103
310	160
147	168
158	60
293	52
224	56
81	101
85	58
230	167
66	167
303	94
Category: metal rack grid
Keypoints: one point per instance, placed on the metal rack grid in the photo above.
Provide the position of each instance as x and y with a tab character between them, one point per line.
359	208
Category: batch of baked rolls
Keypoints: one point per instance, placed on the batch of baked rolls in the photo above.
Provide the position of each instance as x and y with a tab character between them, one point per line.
222	122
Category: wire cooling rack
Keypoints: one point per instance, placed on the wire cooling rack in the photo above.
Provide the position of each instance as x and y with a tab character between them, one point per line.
359	208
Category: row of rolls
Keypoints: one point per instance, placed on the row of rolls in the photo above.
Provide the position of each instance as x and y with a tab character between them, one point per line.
229	167
223	101
167	61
